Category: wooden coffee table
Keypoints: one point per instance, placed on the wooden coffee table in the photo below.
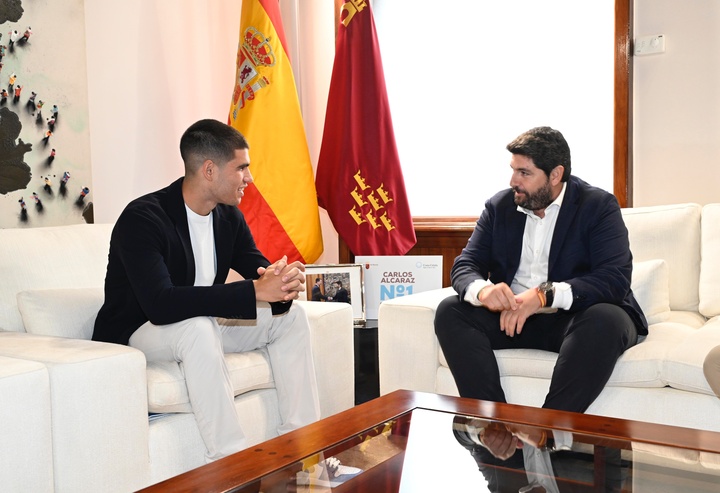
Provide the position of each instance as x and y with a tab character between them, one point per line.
408	441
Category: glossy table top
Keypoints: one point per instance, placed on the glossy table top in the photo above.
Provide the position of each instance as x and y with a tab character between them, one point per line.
417	442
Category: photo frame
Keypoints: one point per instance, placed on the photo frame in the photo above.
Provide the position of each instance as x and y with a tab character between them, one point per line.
341	283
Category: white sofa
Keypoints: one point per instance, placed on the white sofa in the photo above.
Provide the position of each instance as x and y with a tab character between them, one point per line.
74	413
676	278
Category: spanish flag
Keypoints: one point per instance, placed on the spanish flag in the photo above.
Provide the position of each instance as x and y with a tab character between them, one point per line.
359	179
281	206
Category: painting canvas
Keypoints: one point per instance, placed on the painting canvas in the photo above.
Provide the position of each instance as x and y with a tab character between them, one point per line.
45	172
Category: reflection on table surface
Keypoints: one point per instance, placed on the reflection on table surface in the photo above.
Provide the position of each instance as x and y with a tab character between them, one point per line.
434	451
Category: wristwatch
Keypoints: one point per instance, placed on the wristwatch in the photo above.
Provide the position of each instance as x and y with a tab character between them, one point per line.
548	290
547	442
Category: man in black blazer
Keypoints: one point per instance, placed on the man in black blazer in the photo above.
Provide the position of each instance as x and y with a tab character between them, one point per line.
341	294
551	243
165	290
317	294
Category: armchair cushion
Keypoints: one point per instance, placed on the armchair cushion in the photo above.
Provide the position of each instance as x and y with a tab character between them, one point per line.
68	312
651	286
167	391
71	313
710	263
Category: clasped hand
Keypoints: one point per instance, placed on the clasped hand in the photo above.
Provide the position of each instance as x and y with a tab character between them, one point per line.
514	309
502	440
280	281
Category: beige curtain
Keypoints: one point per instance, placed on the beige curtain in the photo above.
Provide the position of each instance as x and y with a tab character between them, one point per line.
310	32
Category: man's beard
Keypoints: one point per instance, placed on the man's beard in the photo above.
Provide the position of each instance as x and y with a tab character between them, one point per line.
535	201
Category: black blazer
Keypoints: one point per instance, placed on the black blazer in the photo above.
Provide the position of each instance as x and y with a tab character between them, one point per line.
590	249
151	269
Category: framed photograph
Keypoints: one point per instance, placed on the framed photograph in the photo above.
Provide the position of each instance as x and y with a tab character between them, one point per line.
337	283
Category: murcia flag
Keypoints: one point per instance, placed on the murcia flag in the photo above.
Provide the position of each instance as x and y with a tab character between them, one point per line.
281	206
359	180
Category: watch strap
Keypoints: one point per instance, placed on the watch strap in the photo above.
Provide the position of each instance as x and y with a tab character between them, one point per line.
548	291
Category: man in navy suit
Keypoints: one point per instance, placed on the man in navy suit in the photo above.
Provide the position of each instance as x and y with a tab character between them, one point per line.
166	295
548	266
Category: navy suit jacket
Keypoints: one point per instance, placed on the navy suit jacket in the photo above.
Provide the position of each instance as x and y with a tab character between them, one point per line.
151	268
590	249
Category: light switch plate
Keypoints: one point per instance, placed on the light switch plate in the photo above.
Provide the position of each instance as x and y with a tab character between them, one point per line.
649	45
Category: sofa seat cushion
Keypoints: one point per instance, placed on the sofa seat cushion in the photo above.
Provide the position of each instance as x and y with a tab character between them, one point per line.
71	313
523	362
683	367
650	283
642	365
167	391
691	319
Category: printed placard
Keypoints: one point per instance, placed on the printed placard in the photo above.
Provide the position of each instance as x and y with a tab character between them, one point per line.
391	276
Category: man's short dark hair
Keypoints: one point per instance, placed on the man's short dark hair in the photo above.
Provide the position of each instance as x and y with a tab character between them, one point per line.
546	147
210	139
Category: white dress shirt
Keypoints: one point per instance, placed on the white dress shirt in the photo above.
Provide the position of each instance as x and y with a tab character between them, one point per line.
533	268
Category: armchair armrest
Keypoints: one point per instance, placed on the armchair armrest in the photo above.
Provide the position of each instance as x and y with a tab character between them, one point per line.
25	426
98	402
331	327
408	349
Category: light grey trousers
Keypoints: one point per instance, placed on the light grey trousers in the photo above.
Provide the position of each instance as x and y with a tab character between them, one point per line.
711	368
200	344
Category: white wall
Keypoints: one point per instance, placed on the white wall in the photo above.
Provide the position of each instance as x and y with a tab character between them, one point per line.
677	104
154	68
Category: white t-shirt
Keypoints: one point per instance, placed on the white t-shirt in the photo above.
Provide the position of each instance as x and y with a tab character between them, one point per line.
203	245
